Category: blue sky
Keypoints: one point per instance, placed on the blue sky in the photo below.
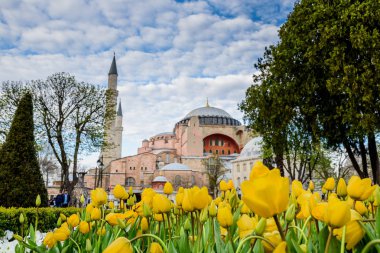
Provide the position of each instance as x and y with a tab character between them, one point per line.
171	55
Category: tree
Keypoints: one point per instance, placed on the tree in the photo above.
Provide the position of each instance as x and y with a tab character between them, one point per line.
325	70
20	177
215	170
70	118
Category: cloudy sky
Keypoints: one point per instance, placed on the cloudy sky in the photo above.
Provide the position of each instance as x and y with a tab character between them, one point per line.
171	55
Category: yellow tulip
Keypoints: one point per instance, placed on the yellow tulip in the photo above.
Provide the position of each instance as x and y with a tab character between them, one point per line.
359	189
96	214
155	248
158	217
212	210
258	170
73	220
224	216
161	204
267	195
246	225
230	184
168	188
354	231
111	204
337	213
101	231
120	245
179	198
84	227
187	203
244	209
319	210
89	208
341	189
270	225
311	186
98	197
111	218
119	192
223	185
361	208
329	184
49	240
297	188
144	224
62	233
200	198
274	237
281	248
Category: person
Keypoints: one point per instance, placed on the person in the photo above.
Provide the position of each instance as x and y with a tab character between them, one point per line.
58	200
66	199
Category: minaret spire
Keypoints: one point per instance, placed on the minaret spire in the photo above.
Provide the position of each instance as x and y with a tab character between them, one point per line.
207	105
119	110
113	68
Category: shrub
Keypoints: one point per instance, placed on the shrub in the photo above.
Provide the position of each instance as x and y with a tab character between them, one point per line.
47	218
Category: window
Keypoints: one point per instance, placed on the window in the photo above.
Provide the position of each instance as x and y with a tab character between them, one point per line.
134	168
216	142
245	178
142	168
130	181
116	170
244	167
210	142
238	180
167	158
192	180
238	168
142	182
229	152
177	180
222	143
130	168
217	151
146	168
223	152
210	151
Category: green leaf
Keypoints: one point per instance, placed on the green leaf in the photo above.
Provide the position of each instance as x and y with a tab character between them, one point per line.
378	222
295	246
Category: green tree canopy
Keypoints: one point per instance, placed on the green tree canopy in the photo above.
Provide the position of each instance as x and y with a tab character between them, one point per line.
324	73
20	176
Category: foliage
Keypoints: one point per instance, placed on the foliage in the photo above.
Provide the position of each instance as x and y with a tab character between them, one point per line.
215	169
19	168
324	73
9	218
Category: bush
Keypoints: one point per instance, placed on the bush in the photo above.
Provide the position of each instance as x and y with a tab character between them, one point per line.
47	218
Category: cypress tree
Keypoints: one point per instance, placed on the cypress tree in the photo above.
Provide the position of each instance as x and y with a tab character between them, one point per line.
20	176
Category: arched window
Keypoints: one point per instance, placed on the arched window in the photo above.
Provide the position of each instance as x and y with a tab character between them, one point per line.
192	180
130	181
238	180
238	168
177	180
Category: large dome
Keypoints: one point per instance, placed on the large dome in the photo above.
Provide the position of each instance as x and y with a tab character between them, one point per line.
208	111
209	115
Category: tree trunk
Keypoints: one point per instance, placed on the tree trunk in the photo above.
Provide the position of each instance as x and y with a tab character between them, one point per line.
352	158
374	158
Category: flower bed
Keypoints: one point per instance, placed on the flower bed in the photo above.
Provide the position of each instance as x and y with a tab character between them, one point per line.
272	216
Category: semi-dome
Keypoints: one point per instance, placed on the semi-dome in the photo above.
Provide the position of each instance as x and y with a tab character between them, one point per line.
160	179
252	148
175	166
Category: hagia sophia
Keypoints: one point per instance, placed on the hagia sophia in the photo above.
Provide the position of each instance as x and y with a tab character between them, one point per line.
175	156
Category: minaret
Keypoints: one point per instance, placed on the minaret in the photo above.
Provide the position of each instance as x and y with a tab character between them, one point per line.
111	150
118	131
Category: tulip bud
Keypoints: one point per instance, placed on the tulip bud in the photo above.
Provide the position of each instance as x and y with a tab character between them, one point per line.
311	186
62	216
111	205
21	219
341	189
88	245
176	211
121	223
260	227
212	209
147	211
187	225
82	200
59	222
130	202
377	195
144	224
203	217
130	190
18	237
38	200
290	213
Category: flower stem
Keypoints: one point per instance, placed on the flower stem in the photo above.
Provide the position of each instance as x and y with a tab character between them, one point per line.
155	237
343	239
368	246
279	227
328	241
241	244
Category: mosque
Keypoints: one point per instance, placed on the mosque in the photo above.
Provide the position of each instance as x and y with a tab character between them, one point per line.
175	156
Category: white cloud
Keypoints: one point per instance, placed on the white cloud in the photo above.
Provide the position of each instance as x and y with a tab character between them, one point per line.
170	55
